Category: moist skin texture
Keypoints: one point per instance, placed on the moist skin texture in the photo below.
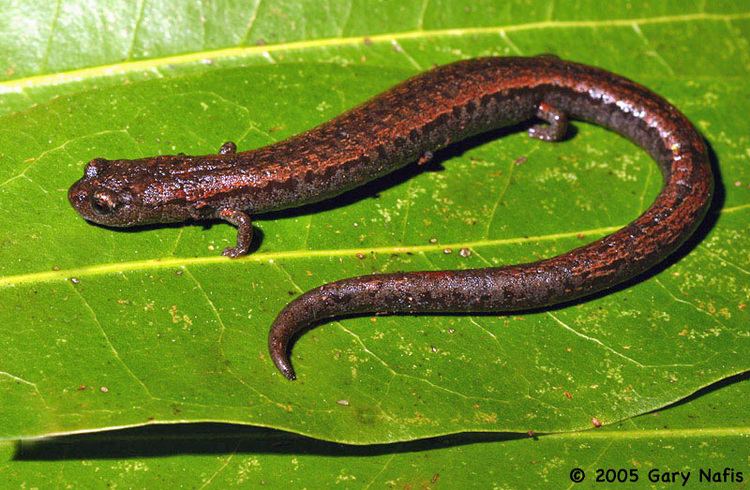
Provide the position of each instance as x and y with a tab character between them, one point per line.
407	124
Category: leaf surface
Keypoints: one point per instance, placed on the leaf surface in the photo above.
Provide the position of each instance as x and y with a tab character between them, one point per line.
104	328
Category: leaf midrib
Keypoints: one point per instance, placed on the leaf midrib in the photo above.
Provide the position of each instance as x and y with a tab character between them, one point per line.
18	85
177	262
162	263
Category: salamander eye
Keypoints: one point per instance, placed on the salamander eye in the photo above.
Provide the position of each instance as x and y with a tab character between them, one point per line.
103	202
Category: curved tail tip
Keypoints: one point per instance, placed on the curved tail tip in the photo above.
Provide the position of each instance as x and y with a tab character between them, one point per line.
285	366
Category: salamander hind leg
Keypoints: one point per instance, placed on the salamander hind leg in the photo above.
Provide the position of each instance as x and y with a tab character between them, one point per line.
556	127
244	231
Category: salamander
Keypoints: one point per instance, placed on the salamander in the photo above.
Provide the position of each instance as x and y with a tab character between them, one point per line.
407	124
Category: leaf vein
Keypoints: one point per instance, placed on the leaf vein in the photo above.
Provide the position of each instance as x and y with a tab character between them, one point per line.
608	348
20	84
250	23
222	329
53	26
111	346
500	197
138	21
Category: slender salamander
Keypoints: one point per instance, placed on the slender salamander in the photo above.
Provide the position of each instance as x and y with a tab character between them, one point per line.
407	124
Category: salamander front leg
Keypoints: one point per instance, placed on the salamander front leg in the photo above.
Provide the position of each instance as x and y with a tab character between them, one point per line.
557	124
244	232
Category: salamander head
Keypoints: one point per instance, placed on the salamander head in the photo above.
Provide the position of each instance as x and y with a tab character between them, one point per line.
107	194
101	199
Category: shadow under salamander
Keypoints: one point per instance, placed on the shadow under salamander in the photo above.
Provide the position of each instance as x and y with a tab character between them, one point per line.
372	189
155	441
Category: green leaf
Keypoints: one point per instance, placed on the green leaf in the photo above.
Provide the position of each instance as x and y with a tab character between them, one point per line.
102	328
709	433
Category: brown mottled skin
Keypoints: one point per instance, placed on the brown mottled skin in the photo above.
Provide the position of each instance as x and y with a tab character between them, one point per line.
406	124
